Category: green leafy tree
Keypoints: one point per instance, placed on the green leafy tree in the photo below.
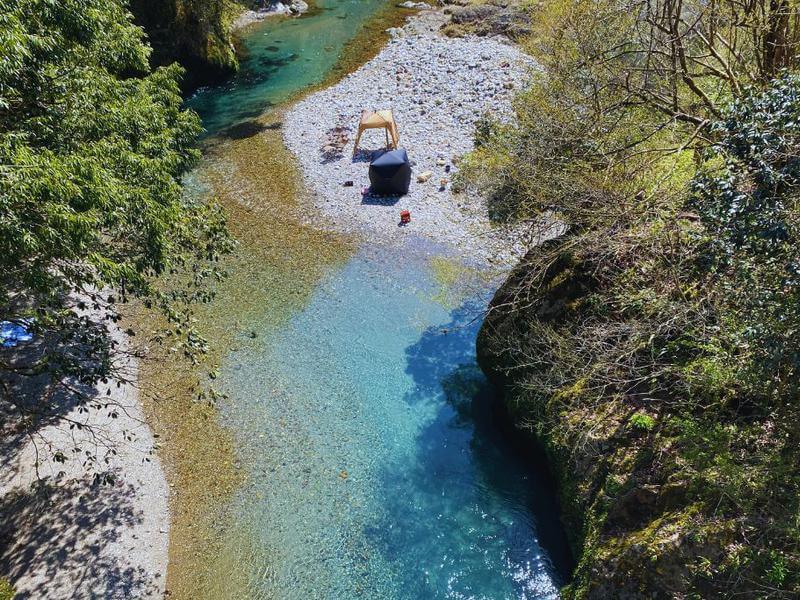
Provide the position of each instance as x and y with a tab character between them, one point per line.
92	211
749	206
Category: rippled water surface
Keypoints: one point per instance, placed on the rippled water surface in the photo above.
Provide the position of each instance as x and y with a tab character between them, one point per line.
375	467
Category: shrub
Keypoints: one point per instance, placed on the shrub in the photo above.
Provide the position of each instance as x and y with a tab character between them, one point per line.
7	590
642	422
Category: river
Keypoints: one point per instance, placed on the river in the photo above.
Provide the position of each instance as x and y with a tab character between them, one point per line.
374	466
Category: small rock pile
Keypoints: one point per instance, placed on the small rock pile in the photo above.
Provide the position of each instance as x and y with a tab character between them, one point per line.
336	139
414	5
269	8
438	88
512	20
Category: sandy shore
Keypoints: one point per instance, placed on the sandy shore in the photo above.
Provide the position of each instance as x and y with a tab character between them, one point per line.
438	88
66	538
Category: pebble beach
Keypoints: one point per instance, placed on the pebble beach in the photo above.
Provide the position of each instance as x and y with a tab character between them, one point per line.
69	537
437	88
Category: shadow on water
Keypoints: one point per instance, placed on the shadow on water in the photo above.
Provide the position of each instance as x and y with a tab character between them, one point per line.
470	449
270	65
247	129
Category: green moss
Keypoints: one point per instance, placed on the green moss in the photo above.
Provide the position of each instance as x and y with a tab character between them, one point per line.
195	33
455	280
572	391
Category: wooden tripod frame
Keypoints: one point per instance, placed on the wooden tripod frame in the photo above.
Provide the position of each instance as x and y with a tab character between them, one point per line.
381	119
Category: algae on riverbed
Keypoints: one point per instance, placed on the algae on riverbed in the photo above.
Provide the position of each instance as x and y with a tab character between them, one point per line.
456	281
274	269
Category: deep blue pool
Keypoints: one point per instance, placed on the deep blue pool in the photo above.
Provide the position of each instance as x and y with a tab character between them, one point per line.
377	470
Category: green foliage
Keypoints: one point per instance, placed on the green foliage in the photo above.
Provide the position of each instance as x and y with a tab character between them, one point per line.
642	422
7	591
672	312
749	208
92	149
627	91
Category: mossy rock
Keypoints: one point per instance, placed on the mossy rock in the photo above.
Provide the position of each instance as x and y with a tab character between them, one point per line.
633	533
195	33
484	19
566	282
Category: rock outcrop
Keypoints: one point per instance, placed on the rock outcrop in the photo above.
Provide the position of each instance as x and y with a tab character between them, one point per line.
195	33
635	532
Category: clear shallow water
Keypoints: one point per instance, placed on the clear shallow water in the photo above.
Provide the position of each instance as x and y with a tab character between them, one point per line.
282	56
375	467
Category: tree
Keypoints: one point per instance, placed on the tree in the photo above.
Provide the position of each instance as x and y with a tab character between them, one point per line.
92	211
652	347
626	87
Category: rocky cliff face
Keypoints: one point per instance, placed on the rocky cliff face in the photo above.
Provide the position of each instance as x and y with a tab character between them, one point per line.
634	534
195	33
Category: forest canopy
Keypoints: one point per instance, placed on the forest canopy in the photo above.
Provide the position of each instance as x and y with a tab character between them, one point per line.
92	148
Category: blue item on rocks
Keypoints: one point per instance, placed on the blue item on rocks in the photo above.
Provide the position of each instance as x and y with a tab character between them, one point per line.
14	332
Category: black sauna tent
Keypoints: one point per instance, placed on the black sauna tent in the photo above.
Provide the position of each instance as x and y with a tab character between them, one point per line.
390	173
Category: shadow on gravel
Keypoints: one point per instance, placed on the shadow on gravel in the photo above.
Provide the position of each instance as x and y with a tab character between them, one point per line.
55	535
31	400
49	530
368	198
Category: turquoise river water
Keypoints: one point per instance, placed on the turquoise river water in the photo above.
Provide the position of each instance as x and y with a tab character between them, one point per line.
376	468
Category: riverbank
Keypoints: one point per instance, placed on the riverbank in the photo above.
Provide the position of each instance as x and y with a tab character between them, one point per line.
68	537
438	88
